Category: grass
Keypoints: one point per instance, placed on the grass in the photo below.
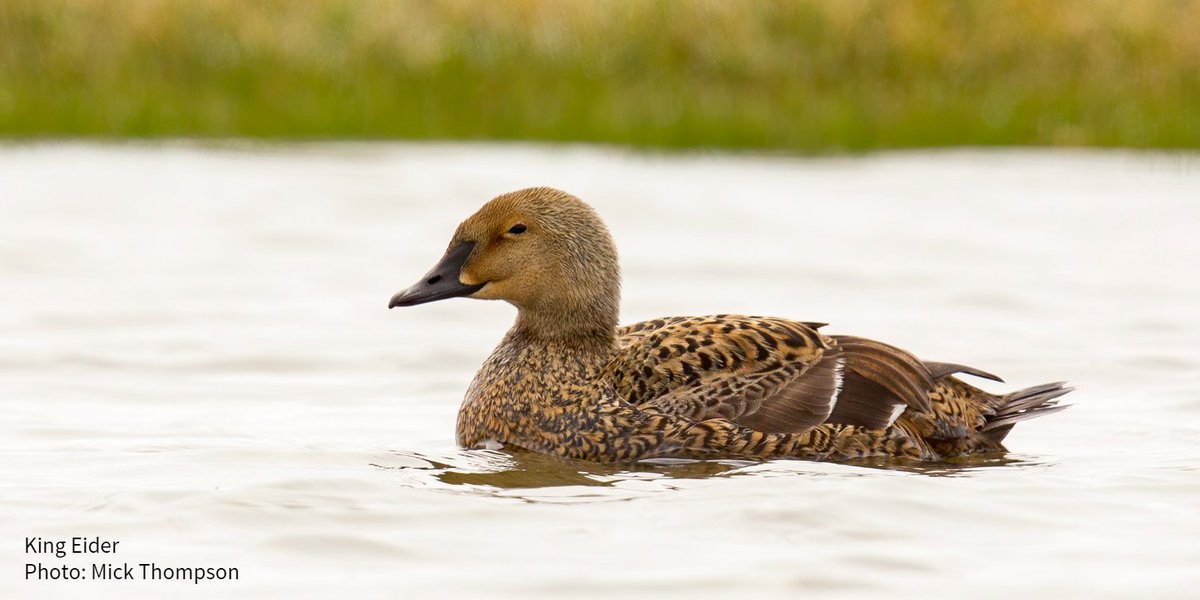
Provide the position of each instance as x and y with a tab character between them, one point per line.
803	76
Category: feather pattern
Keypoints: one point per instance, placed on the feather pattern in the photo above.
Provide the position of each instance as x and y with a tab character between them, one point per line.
768	374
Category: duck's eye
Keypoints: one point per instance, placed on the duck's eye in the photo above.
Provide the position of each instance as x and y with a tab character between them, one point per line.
519	228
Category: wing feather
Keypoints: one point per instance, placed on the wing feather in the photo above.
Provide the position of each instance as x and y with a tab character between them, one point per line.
896	370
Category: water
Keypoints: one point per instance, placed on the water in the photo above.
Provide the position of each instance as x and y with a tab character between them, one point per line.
197	362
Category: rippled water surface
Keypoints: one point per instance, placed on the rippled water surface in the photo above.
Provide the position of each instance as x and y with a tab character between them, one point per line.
197	361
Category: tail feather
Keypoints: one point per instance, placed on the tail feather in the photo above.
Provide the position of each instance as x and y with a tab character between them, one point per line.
1024	404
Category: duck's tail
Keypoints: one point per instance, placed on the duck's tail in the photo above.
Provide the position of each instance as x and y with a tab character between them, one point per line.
966	420
1028	403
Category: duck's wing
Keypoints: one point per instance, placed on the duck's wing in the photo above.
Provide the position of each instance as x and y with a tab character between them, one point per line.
881	382
772	375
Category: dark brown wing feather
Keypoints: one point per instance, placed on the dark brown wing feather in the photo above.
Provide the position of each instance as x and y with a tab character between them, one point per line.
865	403
899	372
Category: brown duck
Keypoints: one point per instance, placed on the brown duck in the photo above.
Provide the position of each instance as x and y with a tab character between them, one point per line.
567	380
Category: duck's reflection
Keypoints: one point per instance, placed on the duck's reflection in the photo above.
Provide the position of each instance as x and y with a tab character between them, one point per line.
536	476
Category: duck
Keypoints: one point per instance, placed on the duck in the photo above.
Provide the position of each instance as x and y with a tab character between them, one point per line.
568	380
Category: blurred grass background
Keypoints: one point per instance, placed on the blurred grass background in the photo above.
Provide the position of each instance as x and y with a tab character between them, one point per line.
804	76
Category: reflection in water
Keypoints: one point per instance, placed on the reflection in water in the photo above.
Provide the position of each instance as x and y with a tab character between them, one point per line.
534	476
950	467
515	474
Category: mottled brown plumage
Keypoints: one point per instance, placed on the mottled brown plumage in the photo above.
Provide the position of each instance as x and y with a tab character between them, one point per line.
566	380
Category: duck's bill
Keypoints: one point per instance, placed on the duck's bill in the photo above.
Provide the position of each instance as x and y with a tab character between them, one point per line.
441	282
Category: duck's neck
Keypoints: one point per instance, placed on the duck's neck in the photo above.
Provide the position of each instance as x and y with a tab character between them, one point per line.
559	331
586	325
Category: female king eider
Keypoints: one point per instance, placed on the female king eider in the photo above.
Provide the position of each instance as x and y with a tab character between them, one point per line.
567	380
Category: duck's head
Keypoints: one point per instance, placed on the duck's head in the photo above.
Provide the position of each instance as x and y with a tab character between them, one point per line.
542	250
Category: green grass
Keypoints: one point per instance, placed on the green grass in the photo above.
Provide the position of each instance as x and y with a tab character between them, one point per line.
798	76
